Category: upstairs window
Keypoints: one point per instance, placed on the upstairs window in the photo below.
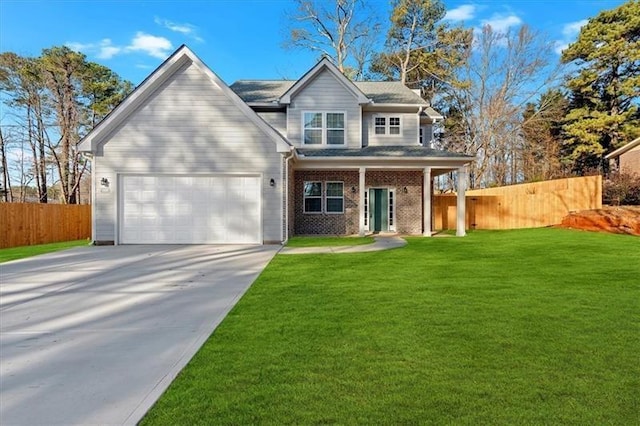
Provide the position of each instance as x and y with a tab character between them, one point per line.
323	128
387	125
313	128
394	125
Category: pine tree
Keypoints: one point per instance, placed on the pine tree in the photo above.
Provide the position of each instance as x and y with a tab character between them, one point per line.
604	88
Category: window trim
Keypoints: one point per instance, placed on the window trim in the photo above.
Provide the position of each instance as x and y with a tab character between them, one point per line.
387	125
305	197
327	196
325	128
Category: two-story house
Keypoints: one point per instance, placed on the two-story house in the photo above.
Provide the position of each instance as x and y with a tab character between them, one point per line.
187	159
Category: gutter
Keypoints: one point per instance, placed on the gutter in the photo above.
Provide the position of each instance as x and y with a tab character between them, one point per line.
287	159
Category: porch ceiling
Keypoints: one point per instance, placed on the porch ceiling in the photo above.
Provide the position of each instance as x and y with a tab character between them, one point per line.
381	158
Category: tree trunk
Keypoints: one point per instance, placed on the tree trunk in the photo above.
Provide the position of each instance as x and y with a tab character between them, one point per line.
7	196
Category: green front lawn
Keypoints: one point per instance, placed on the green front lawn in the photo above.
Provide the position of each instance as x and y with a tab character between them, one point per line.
15	253
508	327
328	241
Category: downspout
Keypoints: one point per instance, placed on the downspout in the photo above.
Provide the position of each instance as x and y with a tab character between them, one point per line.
420	109
286	196
90	157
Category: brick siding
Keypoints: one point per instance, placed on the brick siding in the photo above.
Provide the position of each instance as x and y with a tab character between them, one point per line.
408	205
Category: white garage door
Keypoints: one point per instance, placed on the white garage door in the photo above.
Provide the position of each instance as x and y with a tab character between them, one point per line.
190	210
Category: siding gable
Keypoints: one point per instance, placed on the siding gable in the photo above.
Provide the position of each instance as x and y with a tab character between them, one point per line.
189	118
325	93
187	126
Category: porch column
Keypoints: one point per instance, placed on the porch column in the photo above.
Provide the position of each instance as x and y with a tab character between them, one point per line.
361	187
461	207
426	202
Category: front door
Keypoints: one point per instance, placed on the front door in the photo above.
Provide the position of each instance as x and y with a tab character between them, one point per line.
379	211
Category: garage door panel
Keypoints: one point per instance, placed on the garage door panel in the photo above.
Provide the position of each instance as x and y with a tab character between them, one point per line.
190	209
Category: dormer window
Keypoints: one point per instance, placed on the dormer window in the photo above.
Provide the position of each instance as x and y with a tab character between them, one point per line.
323	128
387	125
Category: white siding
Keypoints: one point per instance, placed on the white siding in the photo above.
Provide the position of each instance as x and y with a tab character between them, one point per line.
325	93
409	124
188	126
277	120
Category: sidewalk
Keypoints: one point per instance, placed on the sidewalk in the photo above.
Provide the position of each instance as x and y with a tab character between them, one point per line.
381	243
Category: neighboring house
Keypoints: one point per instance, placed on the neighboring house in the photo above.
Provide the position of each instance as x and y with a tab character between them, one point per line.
626	159
187	159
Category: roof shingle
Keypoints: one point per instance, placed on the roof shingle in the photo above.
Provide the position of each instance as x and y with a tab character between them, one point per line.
381	92
412	151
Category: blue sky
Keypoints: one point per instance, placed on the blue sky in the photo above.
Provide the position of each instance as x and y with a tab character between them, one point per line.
236	38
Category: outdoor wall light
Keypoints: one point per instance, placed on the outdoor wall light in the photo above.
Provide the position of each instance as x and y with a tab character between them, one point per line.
353	189
272	182
104	182
405	190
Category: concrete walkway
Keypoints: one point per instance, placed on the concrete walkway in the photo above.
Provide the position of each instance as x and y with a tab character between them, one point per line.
381	243
94	335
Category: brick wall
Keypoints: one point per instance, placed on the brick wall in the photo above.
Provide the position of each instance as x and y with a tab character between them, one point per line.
327	224
408	205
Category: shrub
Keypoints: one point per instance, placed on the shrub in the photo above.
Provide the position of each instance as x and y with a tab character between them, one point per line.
621	189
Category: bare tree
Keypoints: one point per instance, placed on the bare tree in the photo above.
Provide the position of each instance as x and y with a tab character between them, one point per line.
52	101
20	77
339	29
505	72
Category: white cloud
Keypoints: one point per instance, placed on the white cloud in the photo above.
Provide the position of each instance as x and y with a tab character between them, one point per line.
79	47
502	23
158	47
569	33
573	28
560	46
101	50
186	29
464	12
107	50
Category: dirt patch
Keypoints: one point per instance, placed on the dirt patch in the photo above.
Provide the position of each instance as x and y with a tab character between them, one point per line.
618	220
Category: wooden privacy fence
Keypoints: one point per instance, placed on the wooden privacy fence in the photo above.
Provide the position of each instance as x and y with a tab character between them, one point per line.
528	205
23	224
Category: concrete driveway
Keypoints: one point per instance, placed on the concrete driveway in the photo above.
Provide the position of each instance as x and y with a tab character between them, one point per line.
94	335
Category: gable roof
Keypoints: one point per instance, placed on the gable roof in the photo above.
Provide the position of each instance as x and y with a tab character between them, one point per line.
628	147
261	91
380	92
390	92
324	64
182	57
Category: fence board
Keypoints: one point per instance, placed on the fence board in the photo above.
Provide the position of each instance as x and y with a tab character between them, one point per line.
23	224
529	205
